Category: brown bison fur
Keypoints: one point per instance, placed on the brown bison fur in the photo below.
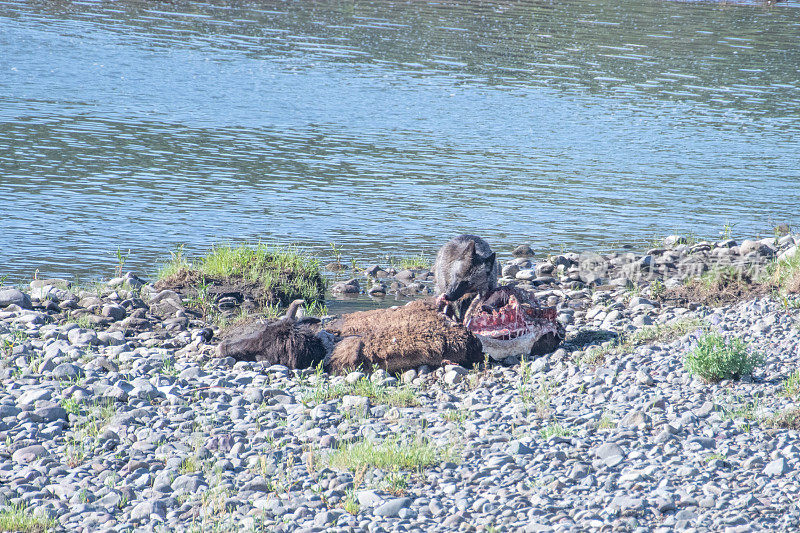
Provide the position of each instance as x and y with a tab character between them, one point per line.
282	342
400	339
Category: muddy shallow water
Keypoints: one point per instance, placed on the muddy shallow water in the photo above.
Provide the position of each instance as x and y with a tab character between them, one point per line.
386	128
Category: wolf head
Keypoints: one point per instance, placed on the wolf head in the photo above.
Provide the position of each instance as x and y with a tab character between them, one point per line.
461	269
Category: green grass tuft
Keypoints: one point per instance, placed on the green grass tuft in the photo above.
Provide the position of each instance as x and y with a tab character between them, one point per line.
786	273
791	385
716	358
323	391
649	334
19	518
787	419
284	273
555	430
394	453
351	504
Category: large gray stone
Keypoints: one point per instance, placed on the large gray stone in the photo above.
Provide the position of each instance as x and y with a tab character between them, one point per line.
29	454
109	501
149	509
67	371
113	311
517	448
12	296
51	413
392	507
624	503
31	396
778	467
368	498
609	449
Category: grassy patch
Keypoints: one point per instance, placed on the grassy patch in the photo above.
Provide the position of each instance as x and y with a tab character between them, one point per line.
395	483
647	335
83	321
786	273
19	518
190	465
791	385
395	453
720	286
351	504
555	430
716	358
456	416
711	457
527	385
168	367
397	396
71	406
606	422
11	339
788	419
268	274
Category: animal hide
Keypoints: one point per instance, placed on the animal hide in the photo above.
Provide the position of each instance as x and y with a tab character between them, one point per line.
281	342
399	339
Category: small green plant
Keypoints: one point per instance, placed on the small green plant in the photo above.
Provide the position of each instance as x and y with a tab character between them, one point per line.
398	452
13	338
606	422
75	452
395	482
785	273
625	344
791	385
456	416
715	358
337	252
727	231
351	504
177	262
527	385
315	309
3	279
71	406
168	366
657	288
17	517
83	321
122	258
190	465
555	430
712	456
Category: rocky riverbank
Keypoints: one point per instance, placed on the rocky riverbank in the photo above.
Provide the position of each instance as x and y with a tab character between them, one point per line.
115	416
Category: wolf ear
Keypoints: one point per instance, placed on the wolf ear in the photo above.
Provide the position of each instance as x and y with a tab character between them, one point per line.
490	260
469	249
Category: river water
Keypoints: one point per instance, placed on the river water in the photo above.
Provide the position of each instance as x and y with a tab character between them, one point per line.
387	127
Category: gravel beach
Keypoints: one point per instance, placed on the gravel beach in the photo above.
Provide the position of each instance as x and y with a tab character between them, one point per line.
116	416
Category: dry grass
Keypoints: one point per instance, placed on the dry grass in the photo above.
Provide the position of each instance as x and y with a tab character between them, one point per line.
789	419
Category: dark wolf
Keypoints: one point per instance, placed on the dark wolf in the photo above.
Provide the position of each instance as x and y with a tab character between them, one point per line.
465	264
